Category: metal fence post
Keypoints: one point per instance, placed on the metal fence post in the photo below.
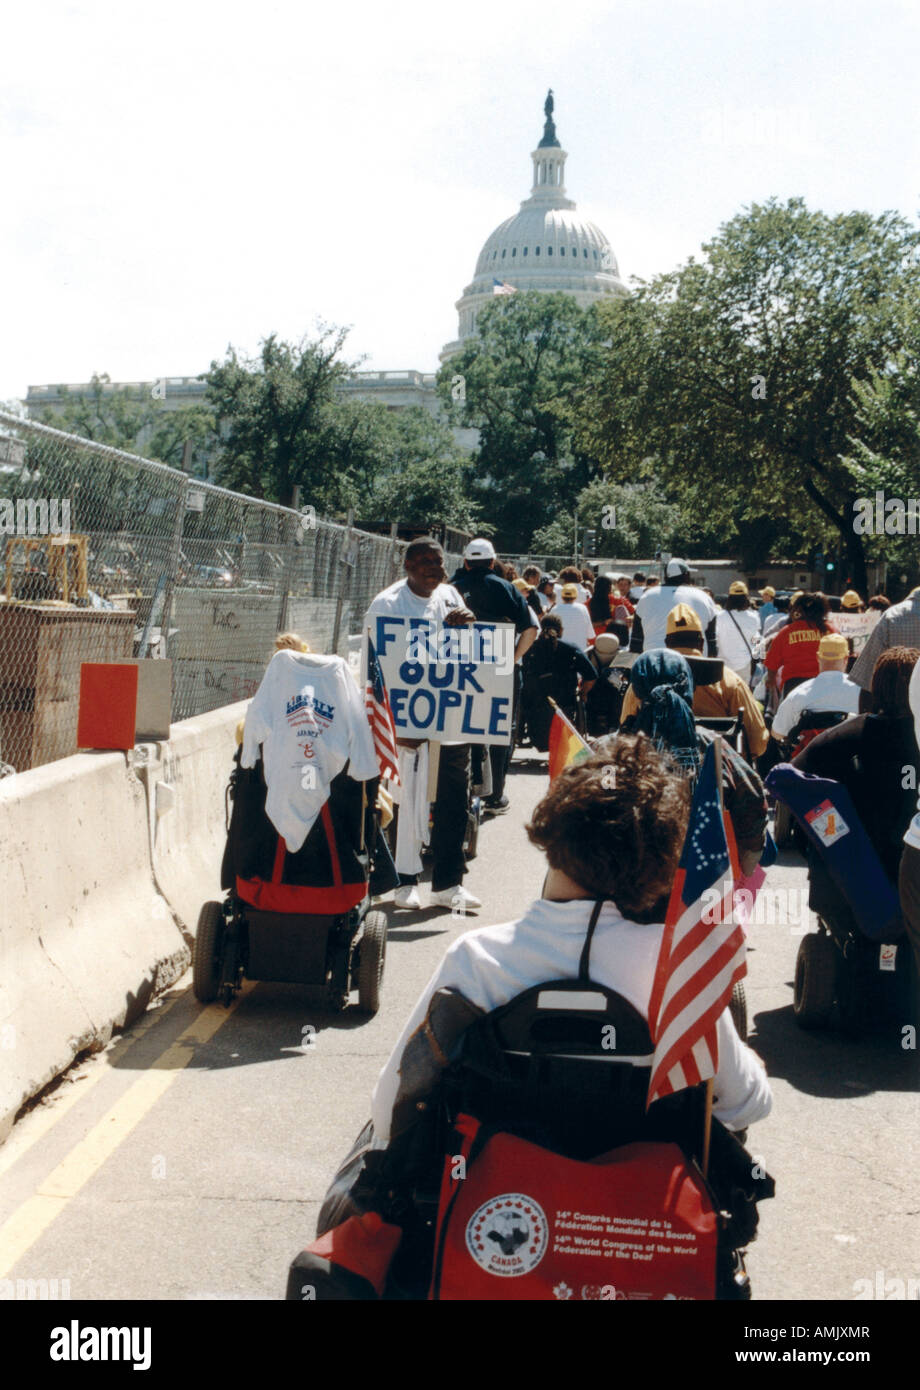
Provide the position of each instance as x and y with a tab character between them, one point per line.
344	585
292	524
394	552
172	572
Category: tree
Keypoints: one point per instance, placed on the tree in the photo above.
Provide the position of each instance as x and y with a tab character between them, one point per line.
528	356
733	378
274	417
173	429
629	518
115	416
885	456
427	477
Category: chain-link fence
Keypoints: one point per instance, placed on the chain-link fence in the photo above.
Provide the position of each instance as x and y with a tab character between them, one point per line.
108	557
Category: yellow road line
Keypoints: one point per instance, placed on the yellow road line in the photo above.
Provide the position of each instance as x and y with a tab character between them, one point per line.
35	1215
38	1123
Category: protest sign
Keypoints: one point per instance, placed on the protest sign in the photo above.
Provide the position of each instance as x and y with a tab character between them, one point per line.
447	684
855	625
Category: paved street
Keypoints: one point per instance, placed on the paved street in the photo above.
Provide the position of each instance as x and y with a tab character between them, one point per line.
189	1160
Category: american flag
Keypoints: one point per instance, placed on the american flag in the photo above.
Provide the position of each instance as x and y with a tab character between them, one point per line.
502	286
702	950
380	717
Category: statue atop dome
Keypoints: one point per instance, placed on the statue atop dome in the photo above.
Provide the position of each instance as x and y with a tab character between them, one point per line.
549	129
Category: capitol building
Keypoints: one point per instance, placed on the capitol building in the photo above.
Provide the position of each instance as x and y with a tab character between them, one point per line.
546	246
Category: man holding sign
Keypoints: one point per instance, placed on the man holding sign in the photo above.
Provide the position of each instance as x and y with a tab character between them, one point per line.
433	694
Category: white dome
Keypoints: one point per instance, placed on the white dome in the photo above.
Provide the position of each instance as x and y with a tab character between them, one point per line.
547	246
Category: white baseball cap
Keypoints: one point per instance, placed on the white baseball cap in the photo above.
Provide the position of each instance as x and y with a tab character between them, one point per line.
676	567
479	550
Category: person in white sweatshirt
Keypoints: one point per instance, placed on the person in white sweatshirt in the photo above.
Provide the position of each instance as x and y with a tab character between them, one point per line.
737	631
615	839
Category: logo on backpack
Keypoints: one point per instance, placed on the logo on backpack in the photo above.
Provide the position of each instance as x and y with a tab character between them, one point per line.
507	1236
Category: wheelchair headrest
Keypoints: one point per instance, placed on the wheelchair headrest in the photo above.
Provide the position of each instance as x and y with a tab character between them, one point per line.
571	1019
719	724
816	720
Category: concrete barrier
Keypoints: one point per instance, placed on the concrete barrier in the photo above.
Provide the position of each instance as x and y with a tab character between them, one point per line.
187	780
105	862
85	940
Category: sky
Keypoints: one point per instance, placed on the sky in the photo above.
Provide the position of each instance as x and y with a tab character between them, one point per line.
176	177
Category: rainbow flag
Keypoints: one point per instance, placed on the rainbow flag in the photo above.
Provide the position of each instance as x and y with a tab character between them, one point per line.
566	745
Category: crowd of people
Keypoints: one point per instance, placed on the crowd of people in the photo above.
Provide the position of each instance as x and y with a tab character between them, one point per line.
660	656
646	667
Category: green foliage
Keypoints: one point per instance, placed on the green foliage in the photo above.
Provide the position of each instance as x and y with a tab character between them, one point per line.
113	416
733	379
556	538
426	478
274	414
173	429
527	358
885	454
629	518
283	422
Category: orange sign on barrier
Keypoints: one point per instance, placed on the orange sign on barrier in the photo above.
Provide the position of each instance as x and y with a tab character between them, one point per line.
108	705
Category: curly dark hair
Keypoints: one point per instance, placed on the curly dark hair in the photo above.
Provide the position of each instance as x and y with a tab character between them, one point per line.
615	824
811	608
891	678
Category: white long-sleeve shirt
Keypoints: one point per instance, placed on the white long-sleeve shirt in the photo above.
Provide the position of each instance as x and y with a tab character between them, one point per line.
828	690
577	626
736	632
492	965
309	717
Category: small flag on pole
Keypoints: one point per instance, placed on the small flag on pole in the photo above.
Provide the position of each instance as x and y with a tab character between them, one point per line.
380	717
702	951
502	287
566	745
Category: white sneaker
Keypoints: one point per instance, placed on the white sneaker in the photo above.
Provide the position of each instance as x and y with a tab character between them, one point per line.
407	896
457	899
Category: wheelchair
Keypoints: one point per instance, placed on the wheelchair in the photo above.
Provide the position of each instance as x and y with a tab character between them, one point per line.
842	978
730	726
809	724
532	1170
302	918
856	970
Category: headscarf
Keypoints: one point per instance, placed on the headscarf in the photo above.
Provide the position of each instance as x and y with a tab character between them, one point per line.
662	681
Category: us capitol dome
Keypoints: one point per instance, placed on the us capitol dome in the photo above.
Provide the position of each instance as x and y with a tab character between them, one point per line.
546	246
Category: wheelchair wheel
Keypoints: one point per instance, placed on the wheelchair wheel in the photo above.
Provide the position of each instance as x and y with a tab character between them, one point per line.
209	942
373	947
816	976
782	825
856	992
738	1009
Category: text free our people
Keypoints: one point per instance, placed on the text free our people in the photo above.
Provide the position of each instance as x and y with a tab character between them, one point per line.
467	698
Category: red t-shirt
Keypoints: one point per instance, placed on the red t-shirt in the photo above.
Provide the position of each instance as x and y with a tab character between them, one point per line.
795	649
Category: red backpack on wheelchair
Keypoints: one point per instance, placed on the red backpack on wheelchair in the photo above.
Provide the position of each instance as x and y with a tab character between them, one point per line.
536	1172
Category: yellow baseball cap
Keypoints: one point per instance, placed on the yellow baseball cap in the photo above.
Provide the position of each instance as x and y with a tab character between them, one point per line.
569	591
683	618
850	599
833	646
768	592
738	587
